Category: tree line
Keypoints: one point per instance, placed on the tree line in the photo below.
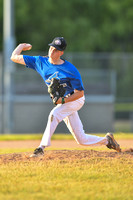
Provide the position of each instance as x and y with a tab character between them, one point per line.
87	25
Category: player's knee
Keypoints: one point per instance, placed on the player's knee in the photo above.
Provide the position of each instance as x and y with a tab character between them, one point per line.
53	116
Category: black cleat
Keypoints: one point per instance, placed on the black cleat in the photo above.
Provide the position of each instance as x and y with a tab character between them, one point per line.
37	152
112	144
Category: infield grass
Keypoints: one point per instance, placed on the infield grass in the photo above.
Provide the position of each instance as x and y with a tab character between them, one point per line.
93	178
86	179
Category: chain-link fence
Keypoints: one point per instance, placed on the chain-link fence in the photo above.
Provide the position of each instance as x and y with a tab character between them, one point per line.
121	63
106	76
99	66
96	82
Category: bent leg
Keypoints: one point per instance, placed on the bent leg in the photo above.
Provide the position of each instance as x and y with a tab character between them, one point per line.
56	116
75	126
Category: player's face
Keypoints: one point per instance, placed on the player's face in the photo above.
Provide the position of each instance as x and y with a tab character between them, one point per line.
54	53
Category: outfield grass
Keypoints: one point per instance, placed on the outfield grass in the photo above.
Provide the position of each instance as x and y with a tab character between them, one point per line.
17	137
124	107
86	179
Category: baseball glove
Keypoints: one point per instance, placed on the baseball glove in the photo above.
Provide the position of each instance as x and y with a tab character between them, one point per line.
56	90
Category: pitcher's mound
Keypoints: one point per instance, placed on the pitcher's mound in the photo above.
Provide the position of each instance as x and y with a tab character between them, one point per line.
68	155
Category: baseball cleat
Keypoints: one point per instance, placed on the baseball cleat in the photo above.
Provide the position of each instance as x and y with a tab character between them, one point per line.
37	152
112	144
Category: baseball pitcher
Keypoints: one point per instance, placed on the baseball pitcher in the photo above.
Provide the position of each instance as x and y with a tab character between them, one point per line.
66	90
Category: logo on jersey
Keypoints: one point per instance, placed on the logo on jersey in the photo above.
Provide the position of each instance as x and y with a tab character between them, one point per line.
55	75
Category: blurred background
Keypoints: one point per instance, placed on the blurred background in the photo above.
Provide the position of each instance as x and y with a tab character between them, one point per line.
99	35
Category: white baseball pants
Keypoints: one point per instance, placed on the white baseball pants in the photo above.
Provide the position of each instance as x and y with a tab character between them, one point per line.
68	113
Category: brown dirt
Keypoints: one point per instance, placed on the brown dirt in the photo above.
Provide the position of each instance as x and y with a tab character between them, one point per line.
63	155
128	143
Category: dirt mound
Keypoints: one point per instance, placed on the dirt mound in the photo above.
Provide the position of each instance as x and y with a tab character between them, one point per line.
63	155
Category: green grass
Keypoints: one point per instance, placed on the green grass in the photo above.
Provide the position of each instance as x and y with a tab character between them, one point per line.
86	179
123	107
22	150
91	178
15	150
123	126
11	137
17	137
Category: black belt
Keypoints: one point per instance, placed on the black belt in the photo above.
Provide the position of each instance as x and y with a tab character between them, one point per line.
72	93
68	95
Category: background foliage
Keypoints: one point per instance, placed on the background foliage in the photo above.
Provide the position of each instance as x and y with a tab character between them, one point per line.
87	25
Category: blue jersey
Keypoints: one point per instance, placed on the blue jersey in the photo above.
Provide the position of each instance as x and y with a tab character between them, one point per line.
67	73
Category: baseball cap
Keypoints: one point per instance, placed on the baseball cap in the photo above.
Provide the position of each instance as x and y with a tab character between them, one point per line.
59	43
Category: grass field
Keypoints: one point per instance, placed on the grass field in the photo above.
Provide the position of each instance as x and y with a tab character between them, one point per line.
85	174
11	137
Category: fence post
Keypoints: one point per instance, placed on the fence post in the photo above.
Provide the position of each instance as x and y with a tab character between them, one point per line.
9	43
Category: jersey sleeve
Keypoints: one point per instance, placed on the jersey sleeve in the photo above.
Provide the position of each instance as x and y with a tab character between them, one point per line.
77	84
30	61
76	80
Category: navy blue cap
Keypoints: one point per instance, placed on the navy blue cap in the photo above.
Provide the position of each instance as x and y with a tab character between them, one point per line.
59	43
